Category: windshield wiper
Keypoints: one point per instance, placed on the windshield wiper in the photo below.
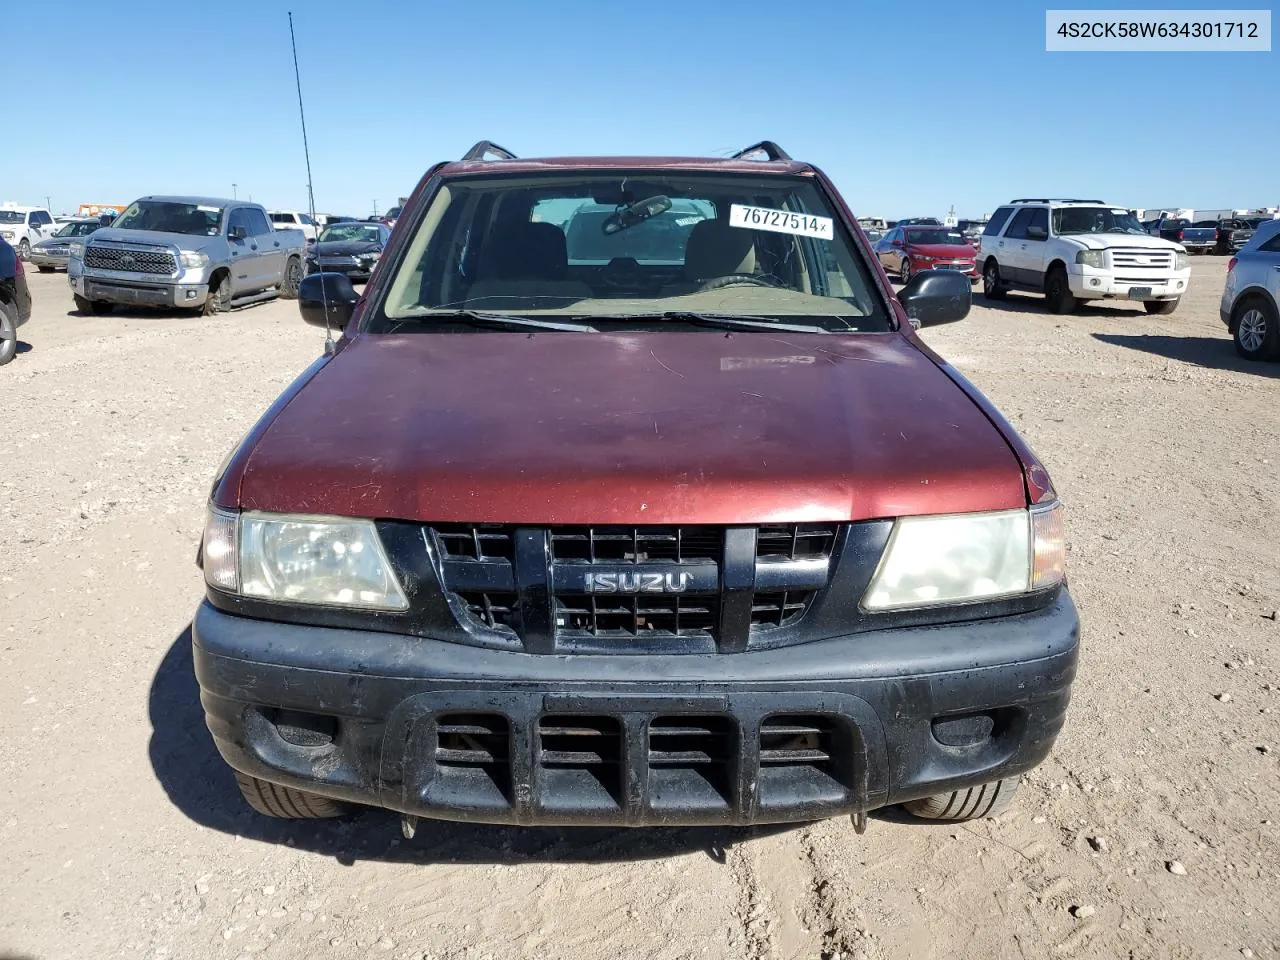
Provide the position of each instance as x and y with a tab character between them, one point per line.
481	319
731	321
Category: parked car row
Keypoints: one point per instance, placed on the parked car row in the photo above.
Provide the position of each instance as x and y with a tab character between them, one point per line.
1222	237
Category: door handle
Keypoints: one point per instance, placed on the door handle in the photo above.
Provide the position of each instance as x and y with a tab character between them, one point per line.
277	243
253	246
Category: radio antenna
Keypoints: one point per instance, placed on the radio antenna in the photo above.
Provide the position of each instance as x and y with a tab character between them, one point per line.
306	152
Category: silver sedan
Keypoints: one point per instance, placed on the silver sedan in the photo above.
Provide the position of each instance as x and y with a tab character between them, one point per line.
54	253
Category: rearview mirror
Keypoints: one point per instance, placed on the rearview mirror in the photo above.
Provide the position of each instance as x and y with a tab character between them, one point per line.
327	300
637	212
935	297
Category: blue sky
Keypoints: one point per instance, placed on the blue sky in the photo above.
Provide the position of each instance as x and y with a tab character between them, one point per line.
910	107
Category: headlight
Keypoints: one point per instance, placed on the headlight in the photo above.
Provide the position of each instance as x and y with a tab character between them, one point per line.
1092	258
1180	261
77	250
299	559
931	561
194	259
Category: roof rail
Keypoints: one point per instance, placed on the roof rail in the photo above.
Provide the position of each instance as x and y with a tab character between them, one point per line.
770	149
487	148
1053	200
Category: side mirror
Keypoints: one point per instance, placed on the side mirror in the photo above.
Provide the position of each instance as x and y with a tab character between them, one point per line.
327	300
1037	233
935	296
897	243
236	233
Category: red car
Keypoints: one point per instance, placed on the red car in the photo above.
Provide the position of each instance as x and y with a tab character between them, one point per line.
908	250
681	525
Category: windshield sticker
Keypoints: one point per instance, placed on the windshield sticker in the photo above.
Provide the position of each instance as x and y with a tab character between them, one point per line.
780	221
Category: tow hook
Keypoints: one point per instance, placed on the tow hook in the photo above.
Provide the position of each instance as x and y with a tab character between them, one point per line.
409	826
859	822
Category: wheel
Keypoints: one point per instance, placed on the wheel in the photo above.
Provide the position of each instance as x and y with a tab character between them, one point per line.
273	800
44	269
975	803
1160	306
219	299
96	307
24	249
904	270
991	288
1057	292
8	335
292	277
1256	329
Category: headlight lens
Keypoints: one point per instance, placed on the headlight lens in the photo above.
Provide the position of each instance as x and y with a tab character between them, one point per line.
194	259
77	250
931	561
1180	261
298	559
1092	258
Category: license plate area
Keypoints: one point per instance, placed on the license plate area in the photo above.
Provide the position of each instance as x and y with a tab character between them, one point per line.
1139	293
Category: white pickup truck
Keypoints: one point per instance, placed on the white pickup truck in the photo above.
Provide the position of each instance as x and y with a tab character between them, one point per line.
202	253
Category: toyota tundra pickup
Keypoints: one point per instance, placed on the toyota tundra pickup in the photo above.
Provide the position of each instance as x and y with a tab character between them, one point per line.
200	253
702	534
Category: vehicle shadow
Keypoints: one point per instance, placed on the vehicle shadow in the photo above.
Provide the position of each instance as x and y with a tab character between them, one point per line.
198	783
1034	303
1213	353
22	347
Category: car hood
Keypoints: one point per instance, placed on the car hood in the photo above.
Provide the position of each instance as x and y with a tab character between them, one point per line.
345	248
57	242
631	429
1101	241
952	250
184	241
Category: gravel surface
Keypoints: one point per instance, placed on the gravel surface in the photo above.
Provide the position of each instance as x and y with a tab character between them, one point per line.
1148	833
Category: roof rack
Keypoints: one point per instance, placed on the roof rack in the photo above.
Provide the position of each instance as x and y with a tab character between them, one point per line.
487	148
1053	200
770	149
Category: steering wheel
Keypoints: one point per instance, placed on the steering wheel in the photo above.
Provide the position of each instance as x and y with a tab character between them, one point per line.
753	279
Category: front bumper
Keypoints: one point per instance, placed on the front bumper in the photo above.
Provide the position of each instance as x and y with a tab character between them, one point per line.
354	271
1095	285
969	270
146	293
39	258
455	732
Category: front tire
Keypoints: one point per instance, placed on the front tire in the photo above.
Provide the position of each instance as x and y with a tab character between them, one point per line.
95	307
1160	306
8	335
904	271
219	298
991	284
1256	329
24	249
975	803
273	800
1057	292
292	277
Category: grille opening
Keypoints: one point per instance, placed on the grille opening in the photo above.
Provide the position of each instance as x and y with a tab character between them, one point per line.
303	729
779	609
637	615
692	757
795	541
476	745
797	740
490	609
582	759
636	544
475	542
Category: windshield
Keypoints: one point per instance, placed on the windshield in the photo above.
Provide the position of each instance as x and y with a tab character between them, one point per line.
12	216
630	247
948	237
351	233
166	216
1074	220
78	229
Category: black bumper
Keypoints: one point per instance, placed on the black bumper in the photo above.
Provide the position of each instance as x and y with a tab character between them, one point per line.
456	732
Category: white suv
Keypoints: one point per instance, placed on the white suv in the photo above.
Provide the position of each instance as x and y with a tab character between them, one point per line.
24	227
1251	298
1073	250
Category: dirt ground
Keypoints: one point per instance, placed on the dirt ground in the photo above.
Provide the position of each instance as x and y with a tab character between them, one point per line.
124	836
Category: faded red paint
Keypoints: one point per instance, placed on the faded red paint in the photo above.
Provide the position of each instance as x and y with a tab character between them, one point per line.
694	427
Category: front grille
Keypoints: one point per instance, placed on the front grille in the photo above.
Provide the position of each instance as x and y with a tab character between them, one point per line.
637	614
1145	281
582	757
558	587
1129	257
130	260
692	755
796	740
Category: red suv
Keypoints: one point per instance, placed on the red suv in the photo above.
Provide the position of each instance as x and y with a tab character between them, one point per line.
700	533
